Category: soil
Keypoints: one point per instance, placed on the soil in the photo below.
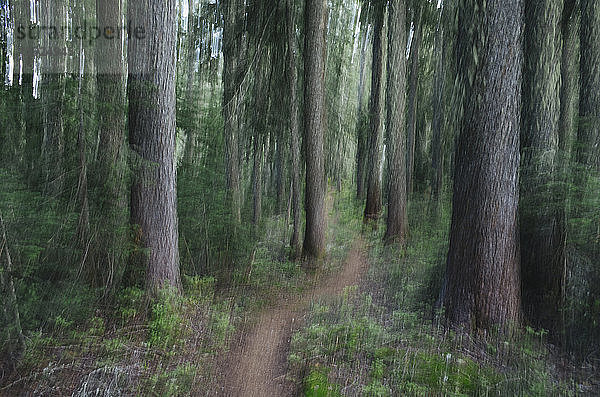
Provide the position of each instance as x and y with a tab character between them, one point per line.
257	365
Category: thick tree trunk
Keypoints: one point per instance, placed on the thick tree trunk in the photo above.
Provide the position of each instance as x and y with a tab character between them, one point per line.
53	94
437	154
232	101
373	204
397	222
411	133
109	259
314	124
361	136
483	283
294	134
151	91
541	272
589	103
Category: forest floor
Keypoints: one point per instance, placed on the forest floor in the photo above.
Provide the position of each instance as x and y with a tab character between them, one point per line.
257	363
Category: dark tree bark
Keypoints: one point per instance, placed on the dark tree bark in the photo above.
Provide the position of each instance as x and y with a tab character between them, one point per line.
411	133
483	283
589	103
397	221
294	134
373	204
437	153
53	94
109	260
232	103
361	136
540	247
257	178
151	91
314	124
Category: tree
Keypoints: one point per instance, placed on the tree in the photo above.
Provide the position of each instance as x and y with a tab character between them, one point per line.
589	103
294	134
151	92
373	204
111	169
412	96
361	146
396	122
314	124
483	283
232	14
437	152
541	251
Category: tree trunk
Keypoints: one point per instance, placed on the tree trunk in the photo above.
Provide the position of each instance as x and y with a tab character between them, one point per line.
483	285
9	285
314	124
232	101
589	103
109	259
412	101
397	222
569	94
361	136
257	178
151	91
541	272
53	92
373	204
294	135
437	154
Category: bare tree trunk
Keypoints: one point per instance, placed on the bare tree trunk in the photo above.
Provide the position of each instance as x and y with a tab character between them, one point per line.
7	282
412	101
294	134
589	105
109	259
232	101
397	222
541	273
53	93
373	204
257	177
151	91
314	124
437	154
483	283
361	146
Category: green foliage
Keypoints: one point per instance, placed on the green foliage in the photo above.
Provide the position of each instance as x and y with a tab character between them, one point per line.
176	382
166	322
318	385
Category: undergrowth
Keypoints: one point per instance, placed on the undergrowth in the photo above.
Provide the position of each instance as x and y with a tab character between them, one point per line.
386	338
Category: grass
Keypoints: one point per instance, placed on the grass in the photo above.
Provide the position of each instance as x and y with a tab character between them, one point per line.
386	339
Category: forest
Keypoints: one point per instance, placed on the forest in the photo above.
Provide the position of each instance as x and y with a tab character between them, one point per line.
286	197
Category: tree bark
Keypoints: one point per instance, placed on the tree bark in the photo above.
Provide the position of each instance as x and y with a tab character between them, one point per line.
314	124
232	101
397	222
361	136
483	283
151	91
541	271
109	260
412	101
53	94
589	103
373	204
294	135
437	154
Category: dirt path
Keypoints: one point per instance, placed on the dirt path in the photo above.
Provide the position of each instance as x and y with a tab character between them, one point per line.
257	363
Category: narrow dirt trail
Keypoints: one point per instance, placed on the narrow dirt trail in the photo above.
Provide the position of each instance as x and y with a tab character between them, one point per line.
257	362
